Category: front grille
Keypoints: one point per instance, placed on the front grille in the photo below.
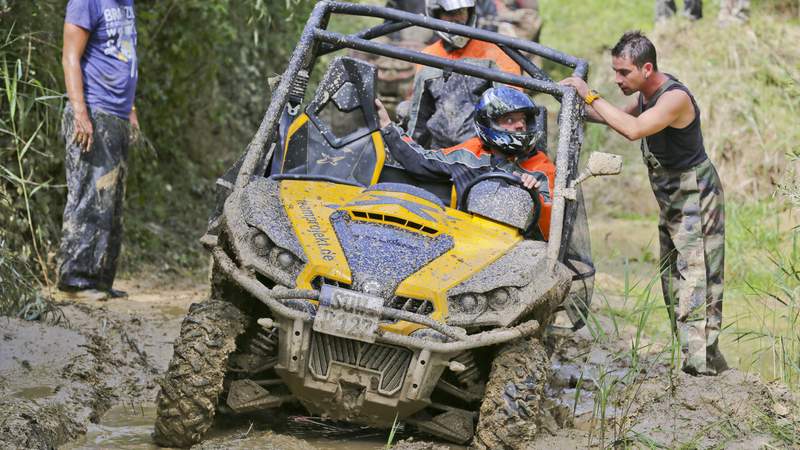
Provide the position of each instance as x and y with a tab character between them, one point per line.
424	307
318	281
390	362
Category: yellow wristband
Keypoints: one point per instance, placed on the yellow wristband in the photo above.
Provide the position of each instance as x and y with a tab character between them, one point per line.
591	97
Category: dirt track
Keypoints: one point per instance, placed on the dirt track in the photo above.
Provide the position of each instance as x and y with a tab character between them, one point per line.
96	373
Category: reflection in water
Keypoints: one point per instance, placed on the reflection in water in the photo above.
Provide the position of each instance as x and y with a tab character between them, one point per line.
34	392
122	427
130	427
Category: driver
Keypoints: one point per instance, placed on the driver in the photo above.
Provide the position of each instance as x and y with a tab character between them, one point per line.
507	141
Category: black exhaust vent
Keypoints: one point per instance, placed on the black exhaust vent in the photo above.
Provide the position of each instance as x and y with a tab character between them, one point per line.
318	281
413	305
394	220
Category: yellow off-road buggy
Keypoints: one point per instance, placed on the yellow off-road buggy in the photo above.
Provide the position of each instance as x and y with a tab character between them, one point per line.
342	283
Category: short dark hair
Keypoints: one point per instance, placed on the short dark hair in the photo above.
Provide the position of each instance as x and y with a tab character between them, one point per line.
636	46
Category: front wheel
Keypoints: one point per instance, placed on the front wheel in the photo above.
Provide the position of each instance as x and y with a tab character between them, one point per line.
513	402
187	402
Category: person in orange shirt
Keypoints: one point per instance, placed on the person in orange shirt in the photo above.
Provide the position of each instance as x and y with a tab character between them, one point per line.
507	140
441	112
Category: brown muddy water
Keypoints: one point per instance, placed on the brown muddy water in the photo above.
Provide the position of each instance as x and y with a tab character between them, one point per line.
130	426
89	383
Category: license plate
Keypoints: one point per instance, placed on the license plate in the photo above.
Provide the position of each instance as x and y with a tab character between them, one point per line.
348	314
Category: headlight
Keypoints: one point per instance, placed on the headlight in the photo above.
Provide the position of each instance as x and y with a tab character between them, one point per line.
275	256
472	303
261	243
499	299
285	259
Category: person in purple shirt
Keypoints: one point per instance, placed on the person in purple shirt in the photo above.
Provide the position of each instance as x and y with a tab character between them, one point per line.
101	72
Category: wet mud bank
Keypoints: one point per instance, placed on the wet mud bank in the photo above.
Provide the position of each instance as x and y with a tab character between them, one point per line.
90	382
58	377
621	394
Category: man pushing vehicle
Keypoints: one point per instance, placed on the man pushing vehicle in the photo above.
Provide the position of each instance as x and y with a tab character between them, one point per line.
691	225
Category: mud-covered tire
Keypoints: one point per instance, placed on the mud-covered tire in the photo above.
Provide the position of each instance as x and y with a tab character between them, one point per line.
187	402
514	398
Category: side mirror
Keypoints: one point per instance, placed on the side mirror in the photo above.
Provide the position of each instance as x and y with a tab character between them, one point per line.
599	164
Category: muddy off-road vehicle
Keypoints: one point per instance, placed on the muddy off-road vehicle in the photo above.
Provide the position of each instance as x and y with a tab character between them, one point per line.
342	284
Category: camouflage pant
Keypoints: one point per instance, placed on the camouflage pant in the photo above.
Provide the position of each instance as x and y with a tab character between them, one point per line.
91	235
665	9
692	238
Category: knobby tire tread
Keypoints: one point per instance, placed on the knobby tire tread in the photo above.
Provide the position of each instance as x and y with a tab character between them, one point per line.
190	388
513	402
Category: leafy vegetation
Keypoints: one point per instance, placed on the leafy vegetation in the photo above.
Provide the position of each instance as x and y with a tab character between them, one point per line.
203	88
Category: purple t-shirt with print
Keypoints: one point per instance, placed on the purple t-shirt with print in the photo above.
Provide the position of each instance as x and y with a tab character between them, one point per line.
109	63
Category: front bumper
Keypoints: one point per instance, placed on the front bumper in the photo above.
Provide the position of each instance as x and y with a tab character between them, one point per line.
357	381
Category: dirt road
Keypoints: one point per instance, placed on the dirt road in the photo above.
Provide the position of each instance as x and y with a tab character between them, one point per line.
90	382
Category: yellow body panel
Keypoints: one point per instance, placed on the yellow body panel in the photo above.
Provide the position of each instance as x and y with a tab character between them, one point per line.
299	122
380	155
307	205
477	242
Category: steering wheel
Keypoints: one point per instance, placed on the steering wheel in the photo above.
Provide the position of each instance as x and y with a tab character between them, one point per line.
532	231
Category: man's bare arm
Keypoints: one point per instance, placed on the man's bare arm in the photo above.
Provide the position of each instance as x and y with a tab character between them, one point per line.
666	111
593	116
75	39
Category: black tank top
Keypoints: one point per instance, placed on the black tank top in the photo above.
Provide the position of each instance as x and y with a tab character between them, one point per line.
676	148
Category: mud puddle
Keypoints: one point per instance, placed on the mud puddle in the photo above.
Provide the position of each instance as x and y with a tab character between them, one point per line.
130	426
58	378
89	383
123	427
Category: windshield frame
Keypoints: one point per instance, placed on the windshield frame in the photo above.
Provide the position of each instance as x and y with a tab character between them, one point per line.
316	40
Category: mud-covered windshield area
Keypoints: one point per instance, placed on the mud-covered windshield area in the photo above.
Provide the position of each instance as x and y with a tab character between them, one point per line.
309	154
337	136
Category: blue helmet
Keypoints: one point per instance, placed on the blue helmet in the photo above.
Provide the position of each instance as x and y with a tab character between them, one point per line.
496	102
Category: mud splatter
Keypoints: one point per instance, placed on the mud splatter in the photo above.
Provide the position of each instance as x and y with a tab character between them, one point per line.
108	180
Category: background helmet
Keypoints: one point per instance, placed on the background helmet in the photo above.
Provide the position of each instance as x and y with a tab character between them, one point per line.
434	7
502	100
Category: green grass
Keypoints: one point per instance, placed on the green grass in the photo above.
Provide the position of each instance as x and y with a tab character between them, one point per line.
762	287
585	27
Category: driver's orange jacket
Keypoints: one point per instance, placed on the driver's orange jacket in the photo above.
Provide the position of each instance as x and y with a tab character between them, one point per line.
465	162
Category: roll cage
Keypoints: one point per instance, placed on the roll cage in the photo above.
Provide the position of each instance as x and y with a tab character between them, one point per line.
316	40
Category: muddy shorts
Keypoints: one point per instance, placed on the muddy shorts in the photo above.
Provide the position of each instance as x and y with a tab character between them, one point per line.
91	234
691	229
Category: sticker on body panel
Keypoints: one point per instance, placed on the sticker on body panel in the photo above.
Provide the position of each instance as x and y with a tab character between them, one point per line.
315	230
348	314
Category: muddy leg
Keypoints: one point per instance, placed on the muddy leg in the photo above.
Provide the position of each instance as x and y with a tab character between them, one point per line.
712	206
92	224
681	236
664	10
693	9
